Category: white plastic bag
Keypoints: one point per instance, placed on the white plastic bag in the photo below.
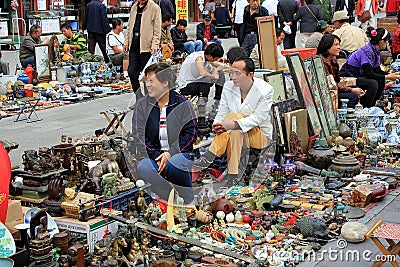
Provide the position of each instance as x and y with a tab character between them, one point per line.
152	60
287	29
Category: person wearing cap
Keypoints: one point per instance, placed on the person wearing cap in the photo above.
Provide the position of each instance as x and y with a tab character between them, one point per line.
313	40
352	38
364	64
206	32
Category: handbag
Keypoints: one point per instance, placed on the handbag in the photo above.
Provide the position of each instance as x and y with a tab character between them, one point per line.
318	24
366	15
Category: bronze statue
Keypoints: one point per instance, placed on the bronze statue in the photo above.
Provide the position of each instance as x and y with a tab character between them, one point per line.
295	147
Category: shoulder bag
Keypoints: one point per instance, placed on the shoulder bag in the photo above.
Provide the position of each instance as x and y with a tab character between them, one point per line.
366	15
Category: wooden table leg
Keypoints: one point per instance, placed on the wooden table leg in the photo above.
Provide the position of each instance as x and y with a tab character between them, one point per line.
395	248
119	121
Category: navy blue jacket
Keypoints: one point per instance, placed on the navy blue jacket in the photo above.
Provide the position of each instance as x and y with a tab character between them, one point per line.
96	18
181	126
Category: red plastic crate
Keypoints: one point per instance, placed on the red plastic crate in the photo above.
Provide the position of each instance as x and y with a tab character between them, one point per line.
304	52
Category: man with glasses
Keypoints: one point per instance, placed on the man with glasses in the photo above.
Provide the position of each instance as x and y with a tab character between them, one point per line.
27	49
243	119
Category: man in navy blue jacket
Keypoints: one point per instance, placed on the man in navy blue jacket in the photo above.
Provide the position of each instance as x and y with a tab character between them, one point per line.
165	128
96	23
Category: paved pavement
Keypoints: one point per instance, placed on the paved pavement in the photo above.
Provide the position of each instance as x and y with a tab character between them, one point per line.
83	118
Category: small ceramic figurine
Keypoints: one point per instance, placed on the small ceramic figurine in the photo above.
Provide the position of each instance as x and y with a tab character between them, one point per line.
67	53
141	202
182	213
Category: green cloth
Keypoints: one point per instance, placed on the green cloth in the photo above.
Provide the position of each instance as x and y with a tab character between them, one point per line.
325	7
77	39
9	145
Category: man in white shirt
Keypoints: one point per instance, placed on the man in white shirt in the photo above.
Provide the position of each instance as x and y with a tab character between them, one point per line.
243	118
115	45
200	71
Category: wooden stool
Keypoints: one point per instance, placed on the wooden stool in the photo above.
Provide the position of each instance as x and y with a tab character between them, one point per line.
118	117
389	232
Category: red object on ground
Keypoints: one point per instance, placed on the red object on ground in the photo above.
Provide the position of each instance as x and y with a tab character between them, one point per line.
5	176
29	71
291	221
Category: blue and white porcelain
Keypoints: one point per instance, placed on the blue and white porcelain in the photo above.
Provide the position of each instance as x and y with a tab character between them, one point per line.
52	227
7	243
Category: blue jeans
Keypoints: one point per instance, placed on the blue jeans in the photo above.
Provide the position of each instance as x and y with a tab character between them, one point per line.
352	97
249	41
29	60
193	46
218	41
177	173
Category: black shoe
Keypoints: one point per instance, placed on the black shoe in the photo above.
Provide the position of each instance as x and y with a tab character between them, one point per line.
204	161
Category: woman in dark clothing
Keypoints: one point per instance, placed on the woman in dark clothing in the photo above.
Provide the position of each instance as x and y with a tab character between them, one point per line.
309	16
365	65
165	128
329	48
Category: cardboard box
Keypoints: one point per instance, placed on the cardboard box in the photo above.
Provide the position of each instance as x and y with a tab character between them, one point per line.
14	217
349	81
90	231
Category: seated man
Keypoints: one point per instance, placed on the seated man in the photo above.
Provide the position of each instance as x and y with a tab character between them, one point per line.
200	71
76	41
206	32
165	127
182	41
115	45
27	49
167	45
243	118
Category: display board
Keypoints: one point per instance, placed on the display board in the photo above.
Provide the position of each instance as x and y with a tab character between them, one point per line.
267	43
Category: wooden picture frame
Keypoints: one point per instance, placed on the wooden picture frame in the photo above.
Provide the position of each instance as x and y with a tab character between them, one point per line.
326	99
277	80
314	86
267	43
303	90
42	62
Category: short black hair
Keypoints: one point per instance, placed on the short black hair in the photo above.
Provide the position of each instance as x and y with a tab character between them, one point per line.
235	53
249	64
278	32
163	73
182	22
116	22
34	29
166	17
341	21
326	43
214	50
66	25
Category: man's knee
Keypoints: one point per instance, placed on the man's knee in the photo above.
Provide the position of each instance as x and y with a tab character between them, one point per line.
232	116
145	166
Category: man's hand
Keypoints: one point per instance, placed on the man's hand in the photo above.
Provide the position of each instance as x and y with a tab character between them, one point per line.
153	51
46	41
223	126
205	40
162	161
215	37
358	91
171	46
190	39
126	48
